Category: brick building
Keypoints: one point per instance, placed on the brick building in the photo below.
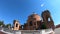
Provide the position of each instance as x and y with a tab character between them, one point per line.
57	26
17	25
47	19
35	21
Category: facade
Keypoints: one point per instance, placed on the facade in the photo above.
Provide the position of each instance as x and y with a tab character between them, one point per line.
33	22
17	25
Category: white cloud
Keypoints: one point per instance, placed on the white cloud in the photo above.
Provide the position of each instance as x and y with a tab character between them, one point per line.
42	5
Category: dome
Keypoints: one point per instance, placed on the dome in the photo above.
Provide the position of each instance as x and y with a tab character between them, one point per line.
36	16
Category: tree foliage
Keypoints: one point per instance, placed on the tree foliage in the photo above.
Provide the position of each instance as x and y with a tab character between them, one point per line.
43	26
7	25
2	23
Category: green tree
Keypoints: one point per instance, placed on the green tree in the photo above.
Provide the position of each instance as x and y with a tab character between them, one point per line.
43	26
8	25
2	23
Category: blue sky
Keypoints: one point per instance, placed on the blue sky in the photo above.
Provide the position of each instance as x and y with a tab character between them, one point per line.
21	9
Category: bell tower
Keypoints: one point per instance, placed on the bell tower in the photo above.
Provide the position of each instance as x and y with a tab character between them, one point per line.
17	25
47	19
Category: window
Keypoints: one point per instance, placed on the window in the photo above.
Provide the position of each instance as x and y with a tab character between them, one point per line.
30	23
49	19
35	23
19	27
16	25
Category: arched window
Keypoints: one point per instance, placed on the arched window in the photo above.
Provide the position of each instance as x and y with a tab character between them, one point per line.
16	25
30	23
49	19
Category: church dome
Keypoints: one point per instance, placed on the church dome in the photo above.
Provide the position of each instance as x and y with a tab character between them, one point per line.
36	16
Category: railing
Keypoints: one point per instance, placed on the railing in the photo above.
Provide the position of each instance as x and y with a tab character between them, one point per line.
27	31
